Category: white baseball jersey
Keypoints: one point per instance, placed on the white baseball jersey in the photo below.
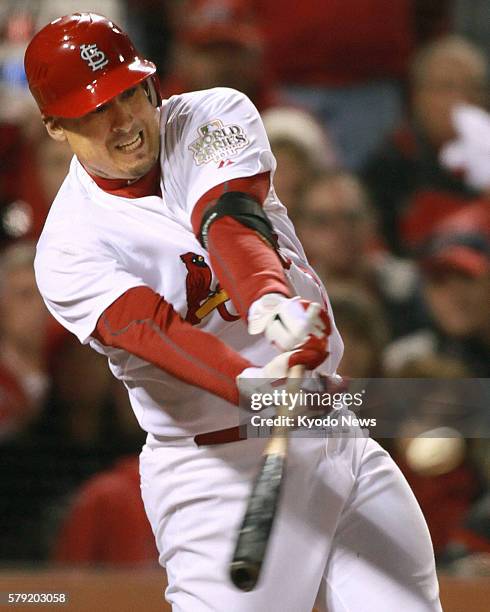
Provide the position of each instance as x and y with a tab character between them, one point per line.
96	245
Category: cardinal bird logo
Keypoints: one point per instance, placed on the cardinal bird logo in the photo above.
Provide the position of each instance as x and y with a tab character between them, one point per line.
201	299
197	284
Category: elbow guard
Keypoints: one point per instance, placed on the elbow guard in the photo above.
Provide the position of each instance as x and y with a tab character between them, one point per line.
244	209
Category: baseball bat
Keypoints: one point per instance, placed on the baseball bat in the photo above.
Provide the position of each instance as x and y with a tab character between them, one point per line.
256	527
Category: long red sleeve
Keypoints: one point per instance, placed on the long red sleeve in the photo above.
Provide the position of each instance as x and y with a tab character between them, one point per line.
144	324
246	266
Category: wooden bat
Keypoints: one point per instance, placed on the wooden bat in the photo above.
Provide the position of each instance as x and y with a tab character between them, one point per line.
256	527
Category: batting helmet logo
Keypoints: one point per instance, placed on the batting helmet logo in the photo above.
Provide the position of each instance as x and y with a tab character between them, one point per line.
94	57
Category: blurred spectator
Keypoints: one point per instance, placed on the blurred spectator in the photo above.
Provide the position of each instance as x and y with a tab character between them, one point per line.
78	428
445	499
456	267
23	325
445	479
218	45
451	70
85	425
343	61
88	416
106	523
468	550
433	404
405	178
338	230
302	149
363	328
24	382
32	169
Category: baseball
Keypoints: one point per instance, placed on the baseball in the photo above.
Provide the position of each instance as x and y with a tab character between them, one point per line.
436	452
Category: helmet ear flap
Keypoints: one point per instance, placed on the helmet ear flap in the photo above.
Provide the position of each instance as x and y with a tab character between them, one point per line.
152	90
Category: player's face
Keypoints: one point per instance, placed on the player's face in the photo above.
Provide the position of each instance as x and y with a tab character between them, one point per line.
119	139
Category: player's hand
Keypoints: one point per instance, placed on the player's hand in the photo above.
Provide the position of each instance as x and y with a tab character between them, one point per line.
290	323
310	355
470	152
278	368
273	376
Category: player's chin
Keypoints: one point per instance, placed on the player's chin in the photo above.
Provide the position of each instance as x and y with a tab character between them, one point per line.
135	165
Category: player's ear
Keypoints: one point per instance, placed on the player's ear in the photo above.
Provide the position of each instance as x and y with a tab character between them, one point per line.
54	129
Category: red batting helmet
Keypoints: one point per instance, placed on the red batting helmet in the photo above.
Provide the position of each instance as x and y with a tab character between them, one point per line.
79	62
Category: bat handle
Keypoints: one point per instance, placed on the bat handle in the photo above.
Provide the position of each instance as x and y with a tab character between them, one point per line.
295	375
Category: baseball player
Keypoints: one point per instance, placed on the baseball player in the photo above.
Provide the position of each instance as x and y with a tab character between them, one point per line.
167	250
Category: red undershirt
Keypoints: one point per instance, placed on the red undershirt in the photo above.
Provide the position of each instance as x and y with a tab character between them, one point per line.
246	267
147	185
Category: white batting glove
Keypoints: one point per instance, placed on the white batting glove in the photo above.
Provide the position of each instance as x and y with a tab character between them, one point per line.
470	152
276	369
288	322
310	355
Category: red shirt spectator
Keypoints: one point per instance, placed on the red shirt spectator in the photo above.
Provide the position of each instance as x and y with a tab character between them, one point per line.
445	500
107	523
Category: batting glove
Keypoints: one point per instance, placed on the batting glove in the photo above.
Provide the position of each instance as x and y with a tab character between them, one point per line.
289	323
310	355
470	152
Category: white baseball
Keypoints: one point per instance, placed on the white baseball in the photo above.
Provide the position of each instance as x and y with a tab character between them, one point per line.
436	452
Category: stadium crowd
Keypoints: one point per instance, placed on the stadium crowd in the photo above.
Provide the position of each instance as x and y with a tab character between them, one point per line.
381	131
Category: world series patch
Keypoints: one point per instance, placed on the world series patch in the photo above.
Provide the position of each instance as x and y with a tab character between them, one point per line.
217	142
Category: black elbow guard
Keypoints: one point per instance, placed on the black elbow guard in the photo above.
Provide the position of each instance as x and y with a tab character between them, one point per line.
241	207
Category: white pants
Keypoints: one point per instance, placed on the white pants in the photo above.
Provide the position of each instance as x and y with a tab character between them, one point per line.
349	535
